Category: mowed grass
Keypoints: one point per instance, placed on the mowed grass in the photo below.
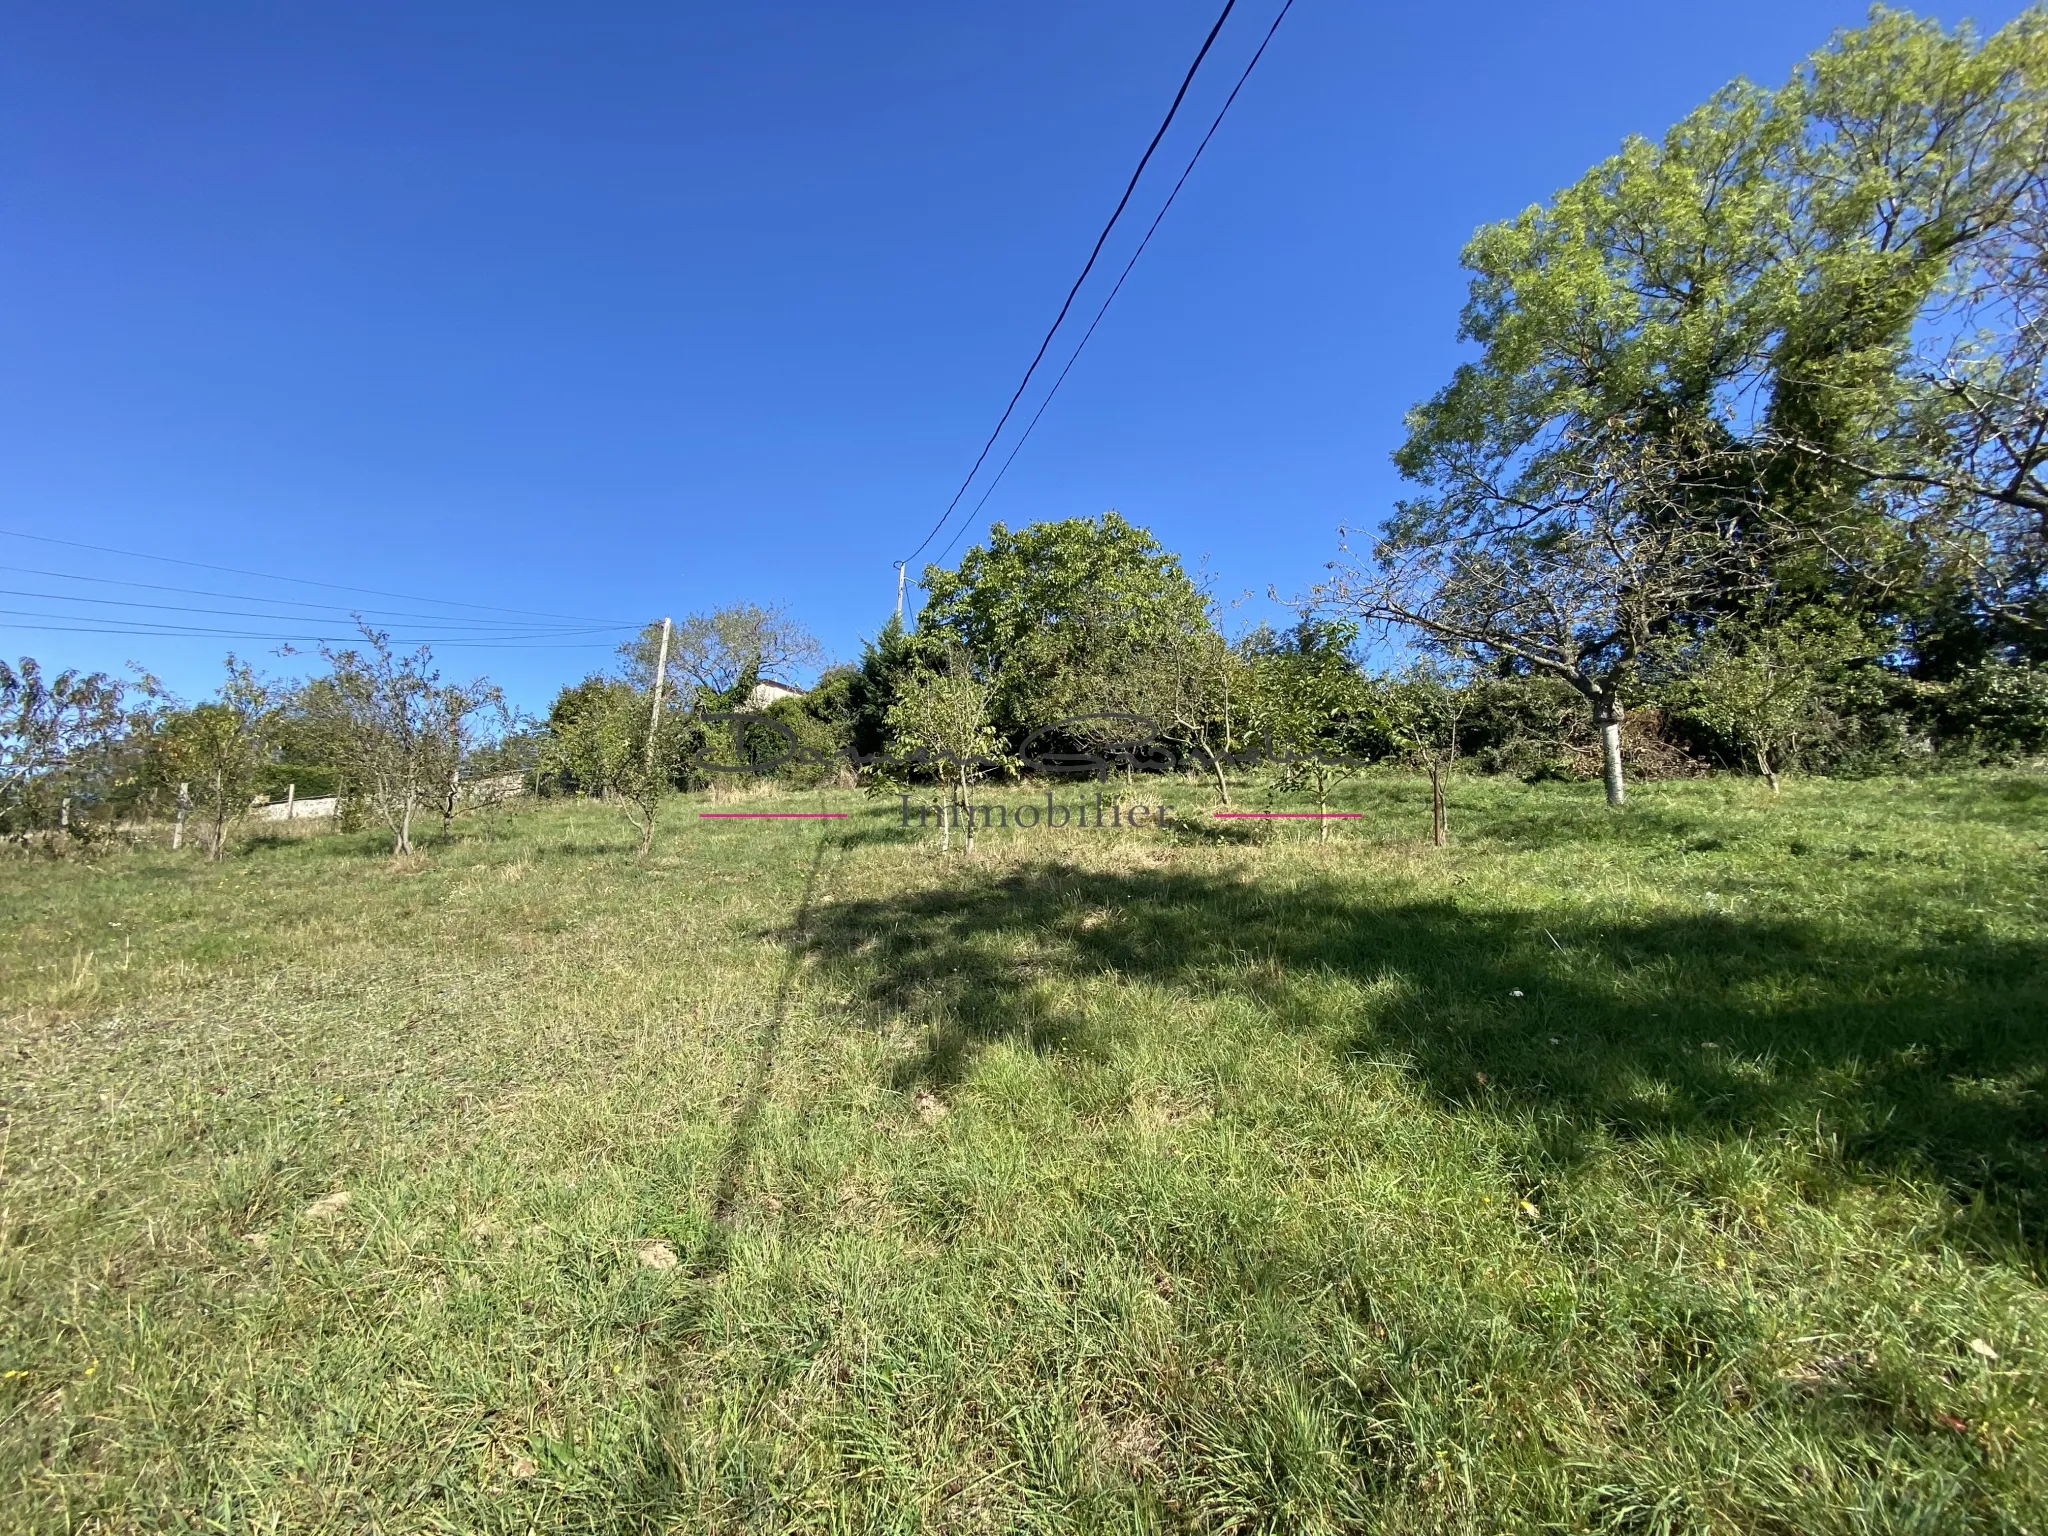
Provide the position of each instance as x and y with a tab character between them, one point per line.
1684	1169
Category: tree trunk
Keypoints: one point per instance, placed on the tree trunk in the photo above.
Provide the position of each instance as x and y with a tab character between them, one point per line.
1322	807
184	805
220	820
1439	822
1607	717
970	813
448	805
404	843
1215	767
1763	761
946	821
647	831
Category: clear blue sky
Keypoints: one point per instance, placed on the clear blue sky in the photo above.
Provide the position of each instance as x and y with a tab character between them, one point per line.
613	311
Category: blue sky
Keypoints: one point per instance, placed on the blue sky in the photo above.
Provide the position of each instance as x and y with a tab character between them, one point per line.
611	311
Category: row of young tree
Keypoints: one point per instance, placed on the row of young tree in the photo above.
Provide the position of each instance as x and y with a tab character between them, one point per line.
83	754
1079	644
1083	646
1066	621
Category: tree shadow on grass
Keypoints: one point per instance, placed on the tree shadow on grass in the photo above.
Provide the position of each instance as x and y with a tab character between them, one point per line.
1925	1058
715	1251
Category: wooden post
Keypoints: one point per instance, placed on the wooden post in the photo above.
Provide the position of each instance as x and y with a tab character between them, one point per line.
291	801
184	805
660	679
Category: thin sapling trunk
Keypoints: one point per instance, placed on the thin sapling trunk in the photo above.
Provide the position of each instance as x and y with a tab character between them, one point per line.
220	817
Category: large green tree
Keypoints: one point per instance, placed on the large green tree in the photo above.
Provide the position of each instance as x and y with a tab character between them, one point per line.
1043	612
889	665
1696	400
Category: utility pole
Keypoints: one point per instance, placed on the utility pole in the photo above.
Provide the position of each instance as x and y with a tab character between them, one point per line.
899	593
660	678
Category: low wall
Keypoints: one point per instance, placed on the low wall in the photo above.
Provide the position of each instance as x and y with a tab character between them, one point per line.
487	791
296	810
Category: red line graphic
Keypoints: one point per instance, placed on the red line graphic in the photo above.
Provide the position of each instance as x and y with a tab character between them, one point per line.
1274	815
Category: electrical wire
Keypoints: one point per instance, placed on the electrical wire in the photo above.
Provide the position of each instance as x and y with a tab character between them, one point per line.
1087	267
1119	288
304	581
291	602
192	632
240	613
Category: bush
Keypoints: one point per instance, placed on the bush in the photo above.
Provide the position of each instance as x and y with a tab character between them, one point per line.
1996	710
819	725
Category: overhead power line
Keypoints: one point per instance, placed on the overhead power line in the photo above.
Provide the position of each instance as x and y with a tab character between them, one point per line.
193	632
1087	267
304	581
1079	346
328	608
479	629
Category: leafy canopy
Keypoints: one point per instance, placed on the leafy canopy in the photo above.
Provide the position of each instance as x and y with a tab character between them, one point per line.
1041	611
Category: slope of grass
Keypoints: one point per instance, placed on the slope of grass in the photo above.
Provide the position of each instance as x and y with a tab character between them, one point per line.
1678	1170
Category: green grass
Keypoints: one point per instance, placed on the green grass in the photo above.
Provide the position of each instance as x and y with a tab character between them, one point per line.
1643	1172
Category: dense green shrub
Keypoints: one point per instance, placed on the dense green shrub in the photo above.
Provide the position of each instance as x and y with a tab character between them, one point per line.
1996	710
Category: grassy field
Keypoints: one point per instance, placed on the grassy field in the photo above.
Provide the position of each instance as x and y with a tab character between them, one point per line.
1683	1169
